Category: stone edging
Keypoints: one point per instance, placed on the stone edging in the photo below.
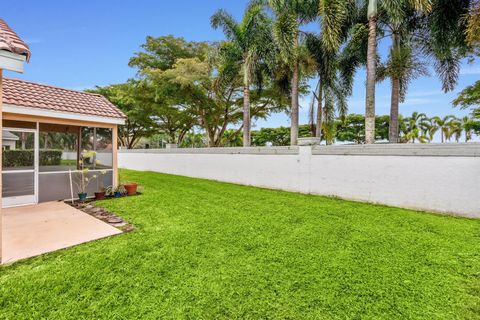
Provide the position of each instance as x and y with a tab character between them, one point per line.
104	215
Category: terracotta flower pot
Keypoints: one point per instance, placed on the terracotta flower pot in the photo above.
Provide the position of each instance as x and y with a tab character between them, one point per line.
100	195
131	189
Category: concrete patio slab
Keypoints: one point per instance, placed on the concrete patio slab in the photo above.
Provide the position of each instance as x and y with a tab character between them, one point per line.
33	230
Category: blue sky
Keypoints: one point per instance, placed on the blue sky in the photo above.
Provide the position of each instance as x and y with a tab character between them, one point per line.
80	44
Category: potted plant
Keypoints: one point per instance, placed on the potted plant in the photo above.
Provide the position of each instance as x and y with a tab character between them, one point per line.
83	179
109	191
131	188
100	195
119	191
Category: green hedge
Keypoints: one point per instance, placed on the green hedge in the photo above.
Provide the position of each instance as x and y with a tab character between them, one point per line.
24	158
50	157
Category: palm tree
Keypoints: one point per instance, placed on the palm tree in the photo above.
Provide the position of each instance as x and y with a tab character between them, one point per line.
400	18
453	129
251	38
443	126
335	72
421	27
290	15
340	25
429	128
467	125
371	72
414	127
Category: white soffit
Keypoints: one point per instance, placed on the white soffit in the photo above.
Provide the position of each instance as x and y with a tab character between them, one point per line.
60	114
11	61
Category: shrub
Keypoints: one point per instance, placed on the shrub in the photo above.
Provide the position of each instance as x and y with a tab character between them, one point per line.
50	157
24	158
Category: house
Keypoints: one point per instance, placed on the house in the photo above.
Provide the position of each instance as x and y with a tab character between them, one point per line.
52	127
45	129
9	140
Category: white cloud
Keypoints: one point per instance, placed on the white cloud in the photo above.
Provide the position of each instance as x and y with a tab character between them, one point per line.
33	41
467	70
81	88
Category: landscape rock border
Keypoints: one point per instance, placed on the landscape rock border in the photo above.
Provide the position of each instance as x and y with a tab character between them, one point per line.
103	214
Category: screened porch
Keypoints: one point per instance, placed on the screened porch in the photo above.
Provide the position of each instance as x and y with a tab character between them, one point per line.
40	160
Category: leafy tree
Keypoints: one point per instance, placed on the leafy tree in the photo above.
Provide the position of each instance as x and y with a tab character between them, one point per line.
470	96
275	136
250	39
161	53
193	89
170	116
382	124
140	122
352	128
473	24
211	91
193	140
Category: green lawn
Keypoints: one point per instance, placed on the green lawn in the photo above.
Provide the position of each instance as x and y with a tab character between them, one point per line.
209	250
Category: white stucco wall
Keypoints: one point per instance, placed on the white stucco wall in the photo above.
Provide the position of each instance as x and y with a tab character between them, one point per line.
105	157
443	179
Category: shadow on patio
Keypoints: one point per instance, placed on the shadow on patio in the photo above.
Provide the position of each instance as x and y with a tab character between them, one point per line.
36	229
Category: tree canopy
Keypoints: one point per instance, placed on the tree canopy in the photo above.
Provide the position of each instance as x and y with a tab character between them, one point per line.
184	89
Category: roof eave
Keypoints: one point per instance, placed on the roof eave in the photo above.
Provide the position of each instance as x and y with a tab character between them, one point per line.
12	61
10	108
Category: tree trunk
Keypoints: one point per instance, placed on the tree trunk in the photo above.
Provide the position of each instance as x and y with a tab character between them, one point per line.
211	139
394	107
318	131
371	78
311	117
395	98
294	111
246	107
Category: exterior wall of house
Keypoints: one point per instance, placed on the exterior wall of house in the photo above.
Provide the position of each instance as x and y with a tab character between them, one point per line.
8	144
1	157
434	177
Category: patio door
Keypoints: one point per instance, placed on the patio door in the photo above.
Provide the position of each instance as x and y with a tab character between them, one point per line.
19	166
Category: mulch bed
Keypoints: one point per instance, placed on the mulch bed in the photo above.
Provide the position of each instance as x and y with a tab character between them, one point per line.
102	214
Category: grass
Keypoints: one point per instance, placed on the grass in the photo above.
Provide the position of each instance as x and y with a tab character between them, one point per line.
210	250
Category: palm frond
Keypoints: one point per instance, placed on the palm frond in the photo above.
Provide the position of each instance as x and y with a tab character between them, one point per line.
222	19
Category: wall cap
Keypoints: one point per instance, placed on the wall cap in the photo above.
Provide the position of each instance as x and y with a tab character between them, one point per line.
403	149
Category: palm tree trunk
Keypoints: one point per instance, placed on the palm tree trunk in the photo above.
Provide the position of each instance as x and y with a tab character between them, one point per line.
395	98
246	108
394	107
294	111
371	73
311	117
318	131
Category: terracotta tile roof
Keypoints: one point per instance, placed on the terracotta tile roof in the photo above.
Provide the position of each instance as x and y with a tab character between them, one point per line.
10	41
33	95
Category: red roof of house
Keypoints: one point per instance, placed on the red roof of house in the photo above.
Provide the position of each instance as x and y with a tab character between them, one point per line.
10	41
34	95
